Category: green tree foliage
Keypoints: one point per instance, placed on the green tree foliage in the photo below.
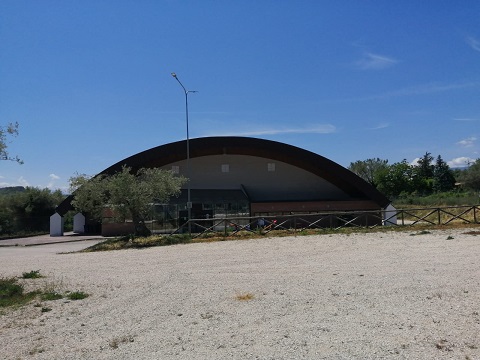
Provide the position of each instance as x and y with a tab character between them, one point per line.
368	169
423	179
470	178
90	194
443	177
423	174
396	179
10	129
426	166
128	194
28	211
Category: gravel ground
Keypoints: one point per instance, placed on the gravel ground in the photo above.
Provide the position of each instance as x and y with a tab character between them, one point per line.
361	296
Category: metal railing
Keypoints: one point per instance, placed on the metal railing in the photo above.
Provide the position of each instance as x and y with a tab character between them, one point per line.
333	220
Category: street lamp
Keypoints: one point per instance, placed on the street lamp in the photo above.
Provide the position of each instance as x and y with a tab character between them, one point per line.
189	202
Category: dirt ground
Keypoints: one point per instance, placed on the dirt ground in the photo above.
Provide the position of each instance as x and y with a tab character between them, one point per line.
390	295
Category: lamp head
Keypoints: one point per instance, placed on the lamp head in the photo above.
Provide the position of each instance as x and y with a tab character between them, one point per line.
174	75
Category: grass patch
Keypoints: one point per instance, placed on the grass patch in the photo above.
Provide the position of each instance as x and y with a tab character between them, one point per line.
12	293
34	274
77	295
52	295
131	242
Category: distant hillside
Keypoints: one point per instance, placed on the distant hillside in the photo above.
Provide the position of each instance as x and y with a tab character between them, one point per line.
11	190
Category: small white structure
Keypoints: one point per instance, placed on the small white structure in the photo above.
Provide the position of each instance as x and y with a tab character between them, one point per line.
56	225
79	223
389	216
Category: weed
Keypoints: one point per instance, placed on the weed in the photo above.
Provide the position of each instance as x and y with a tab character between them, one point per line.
245	297
450	238
77	295
46	309
11	293
51	296
34	274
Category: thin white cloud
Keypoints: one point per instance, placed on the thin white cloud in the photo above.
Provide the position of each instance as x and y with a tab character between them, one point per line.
474	43
319	129
430	88
371	61
380	126
460	162
468	142
22	181
51	183
424	89
414	162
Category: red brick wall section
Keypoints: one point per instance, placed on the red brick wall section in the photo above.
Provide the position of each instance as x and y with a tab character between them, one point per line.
117	229
312	206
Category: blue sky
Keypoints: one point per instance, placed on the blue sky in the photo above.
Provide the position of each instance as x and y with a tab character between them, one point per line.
89	81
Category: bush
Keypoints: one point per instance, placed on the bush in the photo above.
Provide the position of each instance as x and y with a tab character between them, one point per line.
11	293
34	274
77	295
51	296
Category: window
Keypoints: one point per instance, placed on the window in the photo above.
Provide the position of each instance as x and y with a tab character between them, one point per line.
225	168
175	169
271	166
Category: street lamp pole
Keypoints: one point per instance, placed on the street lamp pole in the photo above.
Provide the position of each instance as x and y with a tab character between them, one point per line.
189	202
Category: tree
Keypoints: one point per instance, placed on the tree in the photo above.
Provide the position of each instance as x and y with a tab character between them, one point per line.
423	174
368	169
10	129
28	210
396	179
443	177
425	166
129	194
90	194
471	176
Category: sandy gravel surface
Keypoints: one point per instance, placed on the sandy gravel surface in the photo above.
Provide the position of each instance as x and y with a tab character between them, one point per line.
362	296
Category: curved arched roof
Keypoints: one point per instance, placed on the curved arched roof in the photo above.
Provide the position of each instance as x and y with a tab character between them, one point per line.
316	164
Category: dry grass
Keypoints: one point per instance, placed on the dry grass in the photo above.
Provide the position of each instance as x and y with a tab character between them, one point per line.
245	297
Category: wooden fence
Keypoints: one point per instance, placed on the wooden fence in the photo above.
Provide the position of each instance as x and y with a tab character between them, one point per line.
335	220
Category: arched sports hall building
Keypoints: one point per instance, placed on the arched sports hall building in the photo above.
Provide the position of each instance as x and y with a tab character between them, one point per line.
239	176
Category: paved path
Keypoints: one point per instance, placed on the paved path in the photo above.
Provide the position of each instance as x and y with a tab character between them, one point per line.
47	239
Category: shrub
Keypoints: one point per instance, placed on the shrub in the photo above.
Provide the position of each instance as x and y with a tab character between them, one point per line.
51	296
34	274
77	295
11	293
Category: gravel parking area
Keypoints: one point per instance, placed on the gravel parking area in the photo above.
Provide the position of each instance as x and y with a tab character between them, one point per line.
392	295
